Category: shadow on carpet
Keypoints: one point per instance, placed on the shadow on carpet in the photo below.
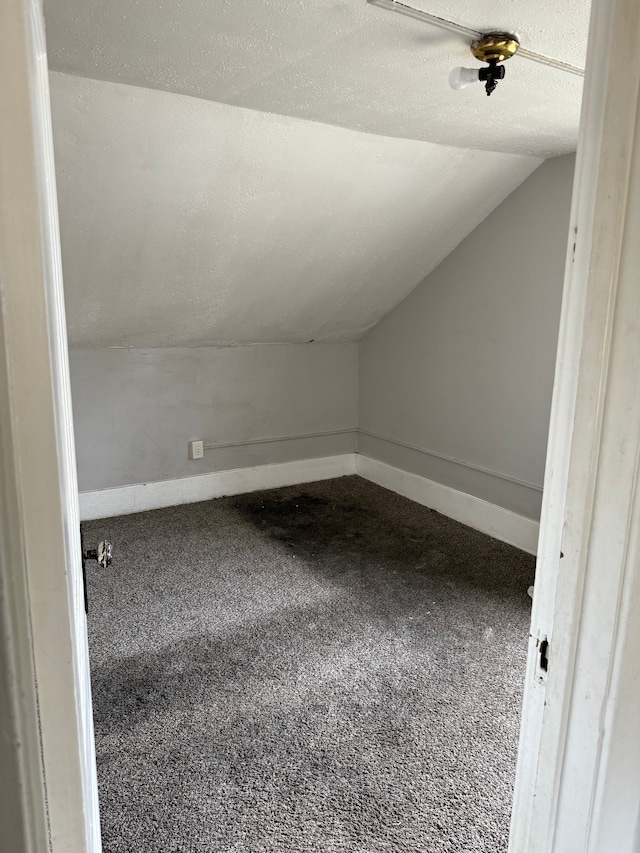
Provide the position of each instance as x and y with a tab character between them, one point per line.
327	667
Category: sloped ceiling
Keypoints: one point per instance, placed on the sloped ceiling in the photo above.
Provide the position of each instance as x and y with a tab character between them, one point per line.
187	222
233	172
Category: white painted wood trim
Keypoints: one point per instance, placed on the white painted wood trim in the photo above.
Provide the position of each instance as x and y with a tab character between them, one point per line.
575	788
496	521
37	442
66	452
236	481
491	519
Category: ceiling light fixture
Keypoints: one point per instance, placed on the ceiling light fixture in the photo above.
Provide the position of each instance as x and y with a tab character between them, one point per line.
492	48
464	76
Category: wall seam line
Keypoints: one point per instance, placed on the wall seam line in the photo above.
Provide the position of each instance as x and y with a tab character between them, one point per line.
452	459
358	431
298	436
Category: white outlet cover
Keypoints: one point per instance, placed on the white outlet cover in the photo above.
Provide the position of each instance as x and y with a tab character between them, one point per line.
196	449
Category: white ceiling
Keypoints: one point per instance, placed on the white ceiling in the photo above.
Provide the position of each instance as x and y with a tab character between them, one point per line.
261	171
186	222
339	62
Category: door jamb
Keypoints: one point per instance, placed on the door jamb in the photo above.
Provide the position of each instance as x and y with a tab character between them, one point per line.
588	499
37	443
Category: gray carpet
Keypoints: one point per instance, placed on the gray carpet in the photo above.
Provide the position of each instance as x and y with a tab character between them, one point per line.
326	667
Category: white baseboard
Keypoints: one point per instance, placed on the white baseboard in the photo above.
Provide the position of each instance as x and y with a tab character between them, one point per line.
144	496
495	520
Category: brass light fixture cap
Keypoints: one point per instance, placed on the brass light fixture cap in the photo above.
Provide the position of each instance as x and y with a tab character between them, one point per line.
495	47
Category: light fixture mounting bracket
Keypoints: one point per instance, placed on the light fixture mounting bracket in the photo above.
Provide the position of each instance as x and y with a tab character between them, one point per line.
495	47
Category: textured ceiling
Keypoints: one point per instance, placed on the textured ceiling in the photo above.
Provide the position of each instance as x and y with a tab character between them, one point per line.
342	62
186	222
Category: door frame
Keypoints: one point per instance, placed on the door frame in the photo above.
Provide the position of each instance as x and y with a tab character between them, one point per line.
576	769
39	500
575	789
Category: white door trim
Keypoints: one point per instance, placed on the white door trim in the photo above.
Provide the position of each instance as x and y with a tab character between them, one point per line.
36	414
582	599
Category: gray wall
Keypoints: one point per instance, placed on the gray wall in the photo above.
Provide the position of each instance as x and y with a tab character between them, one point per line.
136	409
463	367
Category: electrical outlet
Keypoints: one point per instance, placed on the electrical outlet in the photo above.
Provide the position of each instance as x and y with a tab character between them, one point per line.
196	449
